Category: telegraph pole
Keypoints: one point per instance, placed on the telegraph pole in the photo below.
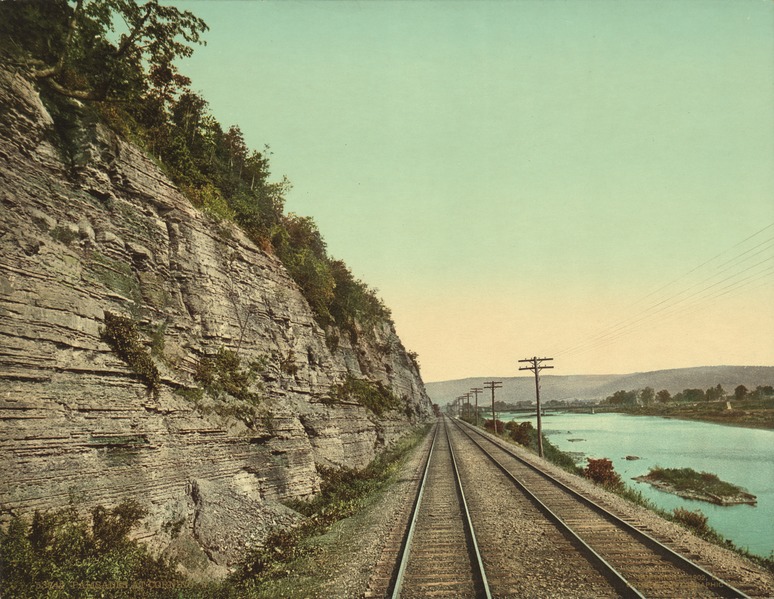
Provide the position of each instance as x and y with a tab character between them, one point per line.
476	391
459	405
536	365
493	385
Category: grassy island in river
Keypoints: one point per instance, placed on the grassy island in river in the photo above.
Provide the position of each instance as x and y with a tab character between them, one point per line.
703	486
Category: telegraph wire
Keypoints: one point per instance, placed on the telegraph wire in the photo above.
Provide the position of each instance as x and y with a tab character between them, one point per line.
735	287
651	312
624	326
703	264
634	324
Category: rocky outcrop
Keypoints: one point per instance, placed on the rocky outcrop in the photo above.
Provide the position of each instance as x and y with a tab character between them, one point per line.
107	231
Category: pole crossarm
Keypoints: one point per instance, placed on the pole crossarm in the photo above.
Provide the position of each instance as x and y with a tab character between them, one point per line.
536	365
476	391
493	385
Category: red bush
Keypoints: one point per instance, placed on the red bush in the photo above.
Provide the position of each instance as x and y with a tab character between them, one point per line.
601	472
522	433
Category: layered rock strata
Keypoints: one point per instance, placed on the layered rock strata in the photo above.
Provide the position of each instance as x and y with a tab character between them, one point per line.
106	231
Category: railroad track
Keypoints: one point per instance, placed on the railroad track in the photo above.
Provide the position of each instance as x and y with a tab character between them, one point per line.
439	556
633	562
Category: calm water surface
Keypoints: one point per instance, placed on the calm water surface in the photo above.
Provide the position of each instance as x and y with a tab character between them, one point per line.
741	456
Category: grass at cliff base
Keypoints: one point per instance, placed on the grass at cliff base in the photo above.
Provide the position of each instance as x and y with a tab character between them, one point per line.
63	554
304	561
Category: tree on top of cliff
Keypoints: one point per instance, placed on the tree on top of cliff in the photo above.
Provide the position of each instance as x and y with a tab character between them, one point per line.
118	56
70	46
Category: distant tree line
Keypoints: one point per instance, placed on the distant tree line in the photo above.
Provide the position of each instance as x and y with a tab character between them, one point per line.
89	70
648	396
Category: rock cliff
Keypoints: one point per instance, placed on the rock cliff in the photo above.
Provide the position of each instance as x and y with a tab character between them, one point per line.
108	232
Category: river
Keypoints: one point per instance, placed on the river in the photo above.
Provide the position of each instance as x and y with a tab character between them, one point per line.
741	456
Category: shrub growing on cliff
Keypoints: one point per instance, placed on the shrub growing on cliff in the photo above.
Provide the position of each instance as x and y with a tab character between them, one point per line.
61	554
121	334
372	395
354	302
223	374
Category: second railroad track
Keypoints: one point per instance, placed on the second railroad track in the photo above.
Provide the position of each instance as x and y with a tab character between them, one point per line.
486	523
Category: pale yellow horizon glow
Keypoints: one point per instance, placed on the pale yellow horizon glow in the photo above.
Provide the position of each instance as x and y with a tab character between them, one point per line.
470	334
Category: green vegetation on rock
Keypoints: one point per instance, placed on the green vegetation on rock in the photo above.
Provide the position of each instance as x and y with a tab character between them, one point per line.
222	374
121	334
691	484
130	82
372	395
65	554
116	275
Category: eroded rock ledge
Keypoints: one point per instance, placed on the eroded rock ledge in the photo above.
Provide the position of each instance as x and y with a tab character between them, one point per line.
113	234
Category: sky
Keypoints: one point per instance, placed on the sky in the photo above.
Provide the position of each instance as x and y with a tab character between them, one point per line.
588	180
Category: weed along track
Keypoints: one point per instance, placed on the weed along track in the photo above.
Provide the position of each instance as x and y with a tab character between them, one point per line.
633	563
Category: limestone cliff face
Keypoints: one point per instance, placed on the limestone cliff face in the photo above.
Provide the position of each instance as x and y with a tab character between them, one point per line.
112	233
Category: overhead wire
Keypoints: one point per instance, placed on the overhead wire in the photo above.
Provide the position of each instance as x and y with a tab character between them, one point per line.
658	307
728	289
623	327
703	264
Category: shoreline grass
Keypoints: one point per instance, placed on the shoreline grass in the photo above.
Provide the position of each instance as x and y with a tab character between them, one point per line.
693	521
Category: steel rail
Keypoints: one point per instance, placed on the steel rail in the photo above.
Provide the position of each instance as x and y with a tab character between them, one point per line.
467	523
615	578
406	549
715	584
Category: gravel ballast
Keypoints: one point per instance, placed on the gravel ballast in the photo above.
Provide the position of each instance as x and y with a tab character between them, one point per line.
349	553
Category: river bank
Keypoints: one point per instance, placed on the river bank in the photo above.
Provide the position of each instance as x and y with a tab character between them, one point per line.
742	456
758	414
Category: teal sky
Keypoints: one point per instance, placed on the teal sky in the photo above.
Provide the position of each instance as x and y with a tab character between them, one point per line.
516	177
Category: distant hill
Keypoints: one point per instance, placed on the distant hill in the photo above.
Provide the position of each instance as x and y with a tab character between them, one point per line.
599	386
